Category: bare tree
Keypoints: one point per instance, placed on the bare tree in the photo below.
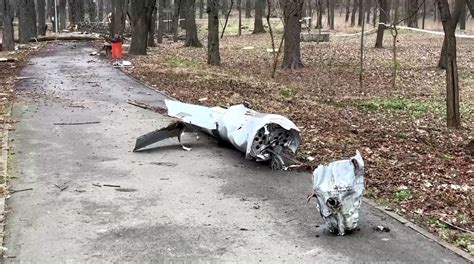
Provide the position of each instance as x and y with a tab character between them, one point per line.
175	23
76	11
348	10
384	18
292	10
41	9
141	13
8	39
452	81
413	9
161	25
62	14
201	9
27	16
152	27
239	8
119	15
189	9
355	4
100	9
258	24
213	55
248	8
331	7
455	18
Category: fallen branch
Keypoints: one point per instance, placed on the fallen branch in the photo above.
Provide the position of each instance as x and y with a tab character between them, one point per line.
456	227
21	190
111	185
52	38
148	107
77	123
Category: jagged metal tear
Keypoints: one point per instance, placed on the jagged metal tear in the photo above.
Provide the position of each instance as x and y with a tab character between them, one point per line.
339	188
260	136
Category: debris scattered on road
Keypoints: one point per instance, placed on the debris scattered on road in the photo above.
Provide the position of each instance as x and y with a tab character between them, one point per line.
163	163
381	228
21	190
338	188
126	189
122	64
8	60
77	123
61	187
261	136
147	107
111	185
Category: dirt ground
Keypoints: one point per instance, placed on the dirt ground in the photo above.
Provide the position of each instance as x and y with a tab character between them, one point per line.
415	165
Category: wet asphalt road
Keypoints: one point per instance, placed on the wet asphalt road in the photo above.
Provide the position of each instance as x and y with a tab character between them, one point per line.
206	205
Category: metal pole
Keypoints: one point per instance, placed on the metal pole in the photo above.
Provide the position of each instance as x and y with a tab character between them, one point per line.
56	16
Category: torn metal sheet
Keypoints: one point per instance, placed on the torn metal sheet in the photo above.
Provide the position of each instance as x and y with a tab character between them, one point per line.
260	136
339	188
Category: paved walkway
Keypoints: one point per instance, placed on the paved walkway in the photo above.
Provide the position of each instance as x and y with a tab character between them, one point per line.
206	205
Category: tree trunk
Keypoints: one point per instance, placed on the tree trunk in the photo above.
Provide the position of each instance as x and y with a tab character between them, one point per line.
462	18
62	21
331	14
348	10
239	8
76	11
412	20
189	9
470	6
201	9
361	13
248	9
175	25
27	24
374	19
319	9
92	11
213	56
258	24
119	15
161	25
396	14
455	17
291	15
152	28
383	18
8	38
354	11
225	7
424	16
101	10
452	85
41	9
141	13
367	11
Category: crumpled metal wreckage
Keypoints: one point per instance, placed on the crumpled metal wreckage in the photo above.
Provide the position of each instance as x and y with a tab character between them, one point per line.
260	136
338	188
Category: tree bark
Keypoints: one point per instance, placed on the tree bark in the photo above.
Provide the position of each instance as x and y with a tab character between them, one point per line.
367	10
141	13
331	14
319	9
152	27
176	12
462	18
213	55
424	16
455	18
361	13
76	11
119	15
383	18
354	11
161	25
62	14
239	8
92	11
248	9
258	23
348	10
292	10
201	9
27	24
412	20
41	12
189	9
101	10
452	81
8	38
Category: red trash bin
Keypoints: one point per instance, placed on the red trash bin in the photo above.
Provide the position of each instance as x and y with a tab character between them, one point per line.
116	50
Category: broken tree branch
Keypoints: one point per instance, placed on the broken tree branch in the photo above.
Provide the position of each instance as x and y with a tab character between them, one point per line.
77	123
148	107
